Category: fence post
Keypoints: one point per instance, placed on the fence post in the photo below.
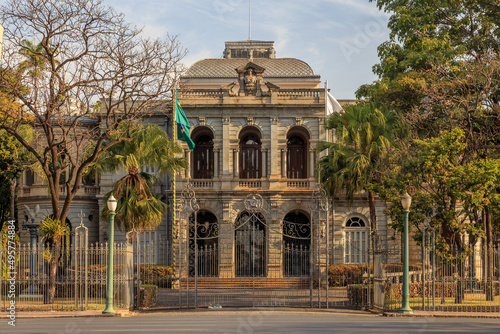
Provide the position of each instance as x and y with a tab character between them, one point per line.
81	250
379	260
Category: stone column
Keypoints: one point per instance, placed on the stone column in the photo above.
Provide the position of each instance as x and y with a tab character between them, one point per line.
235	163
187	171
216	163
264	163
226	153
275	264
226	241
283	163
274	172
311	162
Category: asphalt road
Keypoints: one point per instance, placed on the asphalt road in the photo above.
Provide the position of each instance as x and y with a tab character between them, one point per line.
255	321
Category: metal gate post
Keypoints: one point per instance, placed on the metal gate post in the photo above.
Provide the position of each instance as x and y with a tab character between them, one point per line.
179	245
428	276
81	248
252	245
195	259
327	250
188	204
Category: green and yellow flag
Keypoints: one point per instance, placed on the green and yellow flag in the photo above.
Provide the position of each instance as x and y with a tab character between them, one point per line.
183	126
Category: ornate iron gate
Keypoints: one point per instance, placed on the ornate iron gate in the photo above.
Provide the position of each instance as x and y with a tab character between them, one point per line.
266	262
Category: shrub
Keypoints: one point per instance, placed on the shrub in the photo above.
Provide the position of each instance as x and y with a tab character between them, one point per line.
159	275
147	295
103	268
345	274
398	267
358	295
394	291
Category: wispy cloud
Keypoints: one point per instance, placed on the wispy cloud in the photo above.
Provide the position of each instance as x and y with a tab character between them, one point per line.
315	31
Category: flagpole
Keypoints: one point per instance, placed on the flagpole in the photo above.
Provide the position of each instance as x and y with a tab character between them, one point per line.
175	229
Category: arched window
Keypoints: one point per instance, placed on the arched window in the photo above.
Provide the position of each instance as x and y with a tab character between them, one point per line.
29	177
356	241
203	155
250	157
296	244
296	157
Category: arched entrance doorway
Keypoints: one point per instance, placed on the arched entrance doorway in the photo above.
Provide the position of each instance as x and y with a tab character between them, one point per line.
250	246
204	244
296	244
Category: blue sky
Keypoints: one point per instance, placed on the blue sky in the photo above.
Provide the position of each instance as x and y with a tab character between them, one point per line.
337	38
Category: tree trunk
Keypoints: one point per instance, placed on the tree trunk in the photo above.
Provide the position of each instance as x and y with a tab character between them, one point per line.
51	294
13	187
489	255
373	215
373	219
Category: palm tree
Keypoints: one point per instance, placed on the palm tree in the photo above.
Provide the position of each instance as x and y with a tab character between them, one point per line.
37	57
354	161
56	234
138	206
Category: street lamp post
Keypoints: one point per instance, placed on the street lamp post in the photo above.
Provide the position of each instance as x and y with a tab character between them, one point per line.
405	307
109	282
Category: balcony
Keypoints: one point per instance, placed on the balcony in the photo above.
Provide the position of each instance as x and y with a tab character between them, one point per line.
42	191
235	184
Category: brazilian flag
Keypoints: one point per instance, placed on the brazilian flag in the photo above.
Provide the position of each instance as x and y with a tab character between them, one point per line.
182	124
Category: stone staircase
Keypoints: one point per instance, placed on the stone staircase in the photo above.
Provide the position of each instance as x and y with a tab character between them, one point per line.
247	283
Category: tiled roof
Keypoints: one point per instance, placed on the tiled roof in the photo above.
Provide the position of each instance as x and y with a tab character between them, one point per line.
226	68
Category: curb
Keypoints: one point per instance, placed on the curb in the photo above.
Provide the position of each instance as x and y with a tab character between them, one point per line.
236	310
444	315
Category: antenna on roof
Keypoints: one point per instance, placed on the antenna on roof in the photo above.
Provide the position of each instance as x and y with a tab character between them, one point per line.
249	20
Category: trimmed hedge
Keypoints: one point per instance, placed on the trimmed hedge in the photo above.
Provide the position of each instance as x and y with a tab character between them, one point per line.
394	291
398	267
159	275
346	274
103	268
147	295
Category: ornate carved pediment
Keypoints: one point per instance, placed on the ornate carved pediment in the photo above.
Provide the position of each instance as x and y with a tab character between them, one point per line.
250	79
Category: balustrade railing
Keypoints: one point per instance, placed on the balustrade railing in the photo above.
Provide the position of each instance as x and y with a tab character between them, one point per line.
250	184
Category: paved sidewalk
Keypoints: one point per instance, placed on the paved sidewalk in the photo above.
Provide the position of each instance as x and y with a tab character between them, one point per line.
71	314
347	312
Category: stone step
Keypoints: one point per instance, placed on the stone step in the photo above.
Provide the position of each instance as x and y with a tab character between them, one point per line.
247	282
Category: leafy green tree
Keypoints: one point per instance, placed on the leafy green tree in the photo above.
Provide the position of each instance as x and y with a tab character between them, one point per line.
440	70
356	158
425	33
450	194
13	159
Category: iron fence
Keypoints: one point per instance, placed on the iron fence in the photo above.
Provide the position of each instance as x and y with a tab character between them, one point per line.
452	280
80	279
